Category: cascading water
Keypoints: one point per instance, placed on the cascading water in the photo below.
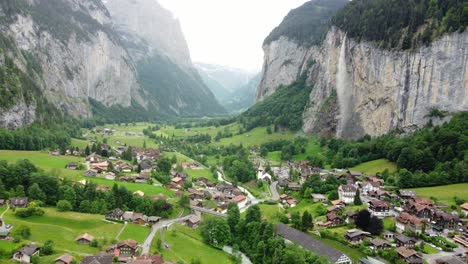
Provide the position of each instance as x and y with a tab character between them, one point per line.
342	89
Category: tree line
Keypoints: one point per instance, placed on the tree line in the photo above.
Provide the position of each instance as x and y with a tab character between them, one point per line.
23	179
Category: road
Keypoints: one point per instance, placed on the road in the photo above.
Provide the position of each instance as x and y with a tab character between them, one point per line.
145	248
274	191
207	211
431	258
253	200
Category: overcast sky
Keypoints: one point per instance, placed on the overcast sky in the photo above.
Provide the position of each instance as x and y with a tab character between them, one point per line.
229	32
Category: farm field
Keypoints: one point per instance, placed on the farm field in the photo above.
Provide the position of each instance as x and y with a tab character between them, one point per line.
149	190
136	140
255	137
375	166
316	209
312	149
64	228
135	232
44	161
444	194
187	245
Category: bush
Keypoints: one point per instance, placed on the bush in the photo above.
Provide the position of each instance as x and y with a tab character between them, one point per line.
22	232
31	211
64	206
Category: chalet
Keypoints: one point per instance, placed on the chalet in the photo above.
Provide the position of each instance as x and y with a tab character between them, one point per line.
139	219
449	260
143	177
420	207
370	186
19	202
127	248
101	166
347	193
334	219
195	194
404	241
378	244
389	235
283	182
126	168
291	202
313	245
464	208
177	180
98	259
379	208
91	173
334	209
3	231
72	166
355	174
84	239
146	165
319	197
409	255
54	153
356	235
374	179
116	214
338	203
193	221
445	220
406	222
351	217
109	176
461	239
94	158
25	253
241	200
295	187
64	259
406	194
2	202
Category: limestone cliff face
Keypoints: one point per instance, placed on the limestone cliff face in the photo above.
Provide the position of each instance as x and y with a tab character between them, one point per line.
360	89
69	63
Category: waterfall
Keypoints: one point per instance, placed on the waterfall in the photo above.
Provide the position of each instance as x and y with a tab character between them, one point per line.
343	90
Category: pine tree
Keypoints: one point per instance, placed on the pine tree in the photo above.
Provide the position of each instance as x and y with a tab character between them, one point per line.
357	198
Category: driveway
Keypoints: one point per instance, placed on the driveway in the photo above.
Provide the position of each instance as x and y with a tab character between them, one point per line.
274	190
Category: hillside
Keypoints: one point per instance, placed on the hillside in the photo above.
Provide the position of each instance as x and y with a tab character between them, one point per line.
364	84
70	56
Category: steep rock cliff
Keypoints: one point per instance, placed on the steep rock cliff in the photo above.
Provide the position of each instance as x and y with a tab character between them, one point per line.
360	89
67	49
156	43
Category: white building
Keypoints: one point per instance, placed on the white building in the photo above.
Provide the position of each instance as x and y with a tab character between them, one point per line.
347	193
25	253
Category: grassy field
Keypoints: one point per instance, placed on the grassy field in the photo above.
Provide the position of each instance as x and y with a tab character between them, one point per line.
63	228
375	166
275	158
389	223
135	232
312	149
119	138
149	190
307	205
430	250
444	194
354	254
255	137
43	160
186	244
195	174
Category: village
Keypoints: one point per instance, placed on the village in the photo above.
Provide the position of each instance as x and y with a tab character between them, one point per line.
358	208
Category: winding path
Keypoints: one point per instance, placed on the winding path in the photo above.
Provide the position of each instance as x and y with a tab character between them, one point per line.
154	229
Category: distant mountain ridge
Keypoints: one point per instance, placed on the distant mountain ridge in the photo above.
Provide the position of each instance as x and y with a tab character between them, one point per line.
234	88
80	54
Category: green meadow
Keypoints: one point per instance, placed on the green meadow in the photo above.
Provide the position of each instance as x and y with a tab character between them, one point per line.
446	193
375	166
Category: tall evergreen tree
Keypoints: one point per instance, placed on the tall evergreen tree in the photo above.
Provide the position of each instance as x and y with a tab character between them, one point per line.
357	198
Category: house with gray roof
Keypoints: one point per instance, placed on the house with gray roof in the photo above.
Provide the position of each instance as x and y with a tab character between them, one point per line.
25	253
312	244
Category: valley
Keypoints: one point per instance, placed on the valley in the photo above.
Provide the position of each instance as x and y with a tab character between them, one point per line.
153	132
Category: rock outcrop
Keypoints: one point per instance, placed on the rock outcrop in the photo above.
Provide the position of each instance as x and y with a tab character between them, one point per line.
359	89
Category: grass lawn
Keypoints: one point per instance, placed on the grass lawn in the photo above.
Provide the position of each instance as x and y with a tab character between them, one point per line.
8	246
195	174
186	244
389	223
270	211
255	137
135	232
275	158
43	160
119	138
63	228
81	144
149	190
375	166
444	194
354	254
313	149
308	205
430	250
